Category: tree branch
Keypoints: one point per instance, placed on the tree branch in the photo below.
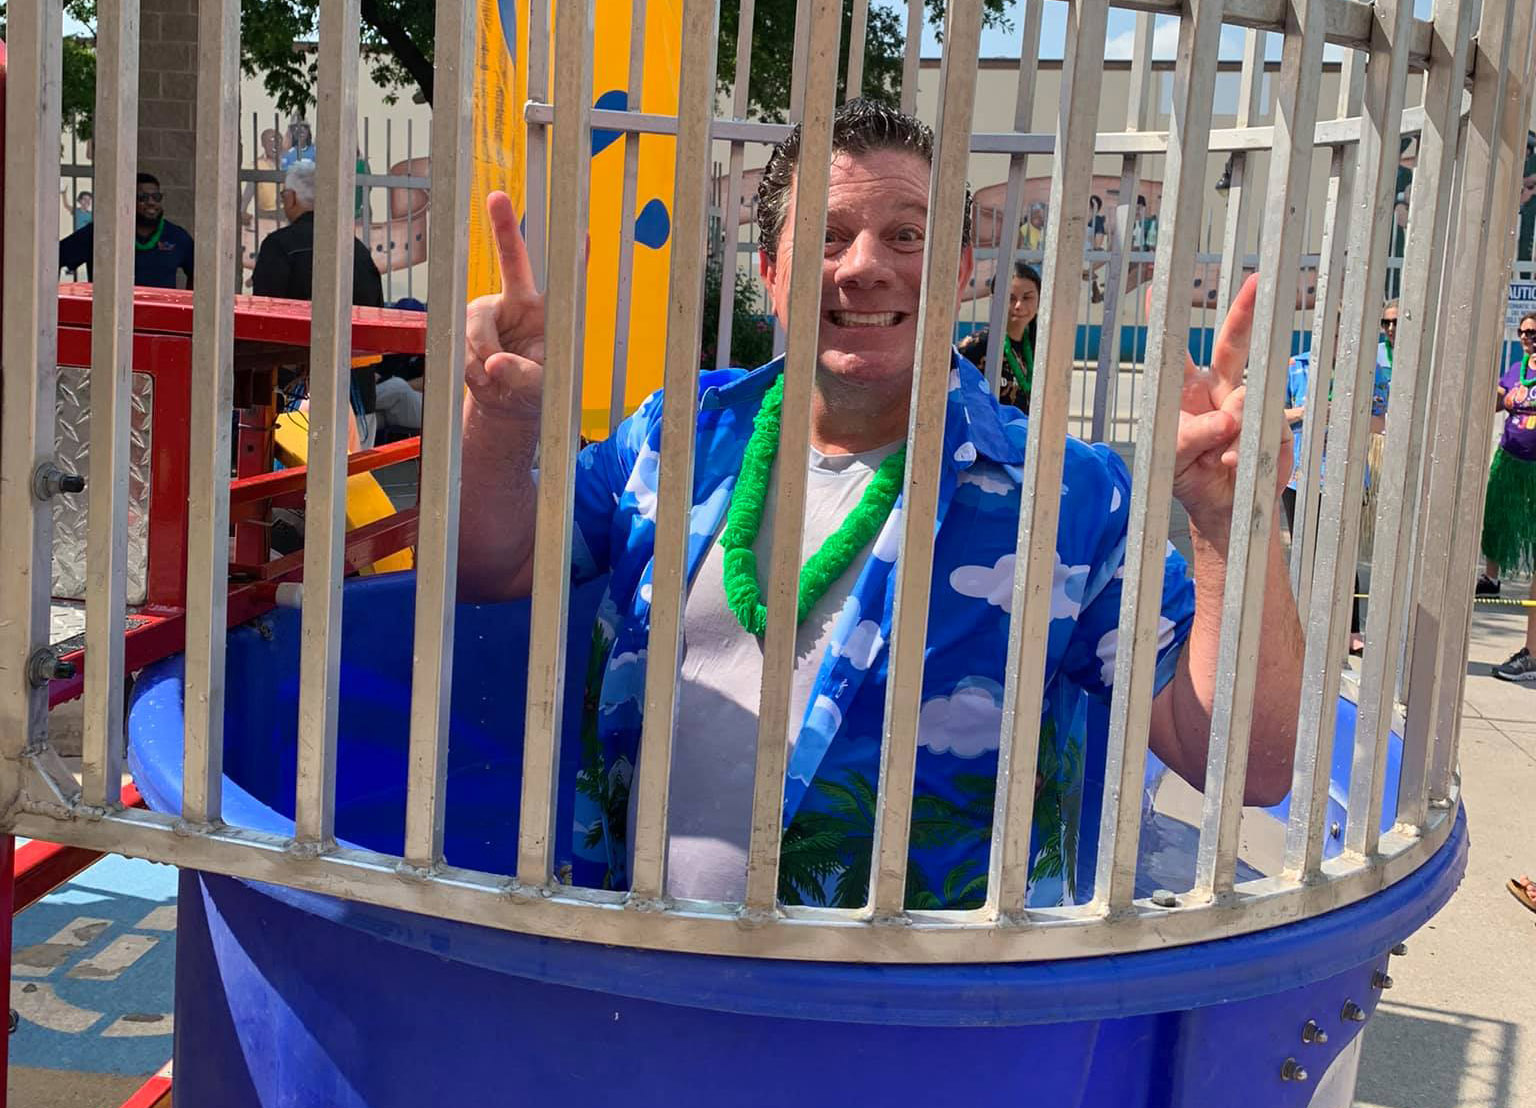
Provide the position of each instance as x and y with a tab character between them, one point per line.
400	43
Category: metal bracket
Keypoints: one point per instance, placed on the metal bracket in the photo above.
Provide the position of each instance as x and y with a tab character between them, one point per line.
48	481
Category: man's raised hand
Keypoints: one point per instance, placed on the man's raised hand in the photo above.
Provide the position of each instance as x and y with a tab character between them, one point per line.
504	332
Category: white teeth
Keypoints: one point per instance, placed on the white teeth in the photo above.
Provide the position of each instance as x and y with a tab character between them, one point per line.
865	319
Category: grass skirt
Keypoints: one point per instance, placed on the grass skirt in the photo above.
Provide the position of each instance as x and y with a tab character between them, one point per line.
1373	460
1509	515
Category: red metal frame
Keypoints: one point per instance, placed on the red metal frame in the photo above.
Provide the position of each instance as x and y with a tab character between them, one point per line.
154	1093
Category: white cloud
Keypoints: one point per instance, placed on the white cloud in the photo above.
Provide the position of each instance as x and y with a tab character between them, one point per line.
966	724
1114	498
888	541
965	453
1067	589
823	705
1165	41
642	482
863	645
703	517
993	583
986	482
1109	643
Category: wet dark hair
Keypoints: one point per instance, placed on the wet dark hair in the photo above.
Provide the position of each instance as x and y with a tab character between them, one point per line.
1096	203
858	127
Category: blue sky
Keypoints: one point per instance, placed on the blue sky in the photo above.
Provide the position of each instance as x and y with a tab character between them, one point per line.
995	44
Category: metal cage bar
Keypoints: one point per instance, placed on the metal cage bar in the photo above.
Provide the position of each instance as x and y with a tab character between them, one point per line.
910	56
947	200
1251	549
1513	113
815	83
537	166
1139	117
858	29
212	400
634	90
28	382
558	437
1248	89
1040	508
437	542
1419	313
690	204
730	231
106	599
1325	334
1018	167
329	416
1152	486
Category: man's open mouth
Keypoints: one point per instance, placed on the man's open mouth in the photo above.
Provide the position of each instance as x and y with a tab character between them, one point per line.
866	319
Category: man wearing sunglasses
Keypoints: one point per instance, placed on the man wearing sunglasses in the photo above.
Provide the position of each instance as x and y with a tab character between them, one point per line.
161	247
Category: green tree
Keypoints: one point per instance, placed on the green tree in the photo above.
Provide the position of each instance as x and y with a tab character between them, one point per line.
77	94
397	42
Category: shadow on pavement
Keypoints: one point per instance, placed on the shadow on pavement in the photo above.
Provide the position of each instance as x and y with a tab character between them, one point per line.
1460	1060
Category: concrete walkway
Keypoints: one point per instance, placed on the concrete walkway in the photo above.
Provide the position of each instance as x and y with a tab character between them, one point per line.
1458	1029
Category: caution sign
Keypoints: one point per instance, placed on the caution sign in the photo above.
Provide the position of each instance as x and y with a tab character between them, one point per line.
1522	299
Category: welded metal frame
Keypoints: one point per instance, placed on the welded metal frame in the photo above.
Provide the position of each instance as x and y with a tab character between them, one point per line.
40	800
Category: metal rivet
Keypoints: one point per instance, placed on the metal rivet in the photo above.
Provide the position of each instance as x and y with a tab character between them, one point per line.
1440	803
1164	899
1352	1012
1400	949
43	666
1312	1033
1292	1071
1381	980
48	481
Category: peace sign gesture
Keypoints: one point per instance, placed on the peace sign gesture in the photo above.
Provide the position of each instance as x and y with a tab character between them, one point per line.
504	332
1211	420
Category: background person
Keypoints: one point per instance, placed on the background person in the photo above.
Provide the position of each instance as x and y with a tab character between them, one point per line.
161	248
1509	510
1018	352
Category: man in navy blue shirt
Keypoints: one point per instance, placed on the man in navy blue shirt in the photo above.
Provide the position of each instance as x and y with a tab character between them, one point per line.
160	246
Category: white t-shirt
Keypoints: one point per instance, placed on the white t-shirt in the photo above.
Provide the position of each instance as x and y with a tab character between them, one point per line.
715	745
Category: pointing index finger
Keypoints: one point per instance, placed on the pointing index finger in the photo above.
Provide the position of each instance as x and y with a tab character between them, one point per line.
1229	357
511	251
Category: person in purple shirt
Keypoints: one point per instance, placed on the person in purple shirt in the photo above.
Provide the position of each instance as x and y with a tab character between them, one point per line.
1509	513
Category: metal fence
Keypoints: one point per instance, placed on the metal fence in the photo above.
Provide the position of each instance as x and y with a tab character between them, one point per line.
1458	255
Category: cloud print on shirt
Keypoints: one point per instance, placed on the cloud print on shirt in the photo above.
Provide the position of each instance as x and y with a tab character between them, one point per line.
994	584
967	723
642	482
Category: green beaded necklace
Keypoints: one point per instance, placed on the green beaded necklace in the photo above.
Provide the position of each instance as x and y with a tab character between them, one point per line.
744	519
154	239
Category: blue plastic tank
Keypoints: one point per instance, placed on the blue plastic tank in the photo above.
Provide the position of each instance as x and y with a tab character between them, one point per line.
287	999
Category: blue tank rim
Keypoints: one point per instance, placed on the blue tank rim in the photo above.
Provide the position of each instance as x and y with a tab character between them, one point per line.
1101	987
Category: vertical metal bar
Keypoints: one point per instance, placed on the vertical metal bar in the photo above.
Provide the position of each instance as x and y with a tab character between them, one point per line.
1325	333
29	351
535	231
1139	117
910	55
730	213
1234	245
1484	349
685	312
1152	488
1018	170
410	217
914	568
212	400
1418	316
117	61
1338	534
1253	508
437	543
329	411
853	86
564	331
797	61
1034	567
632	140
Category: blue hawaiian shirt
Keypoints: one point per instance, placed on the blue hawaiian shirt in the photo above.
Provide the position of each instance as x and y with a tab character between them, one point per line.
1296	377
833	770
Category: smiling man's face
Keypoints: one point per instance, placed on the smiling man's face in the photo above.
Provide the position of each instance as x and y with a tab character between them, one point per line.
871	266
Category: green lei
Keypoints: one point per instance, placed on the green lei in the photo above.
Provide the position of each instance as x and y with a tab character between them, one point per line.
1020	374
1525	361
744	519
153	240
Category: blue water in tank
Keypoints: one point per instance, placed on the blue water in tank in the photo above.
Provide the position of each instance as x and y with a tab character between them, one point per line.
289	1000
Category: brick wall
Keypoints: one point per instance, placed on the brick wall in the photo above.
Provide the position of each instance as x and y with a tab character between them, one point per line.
168	100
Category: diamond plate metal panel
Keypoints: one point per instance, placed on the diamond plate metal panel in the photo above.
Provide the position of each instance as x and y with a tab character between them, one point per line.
73	434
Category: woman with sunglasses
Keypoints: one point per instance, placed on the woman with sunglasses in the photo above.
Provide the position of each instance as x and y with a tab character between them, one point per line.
1509	512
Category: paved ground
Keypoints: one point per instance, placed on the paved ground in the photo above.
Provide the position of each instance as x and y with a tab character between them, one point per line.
1459	1029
